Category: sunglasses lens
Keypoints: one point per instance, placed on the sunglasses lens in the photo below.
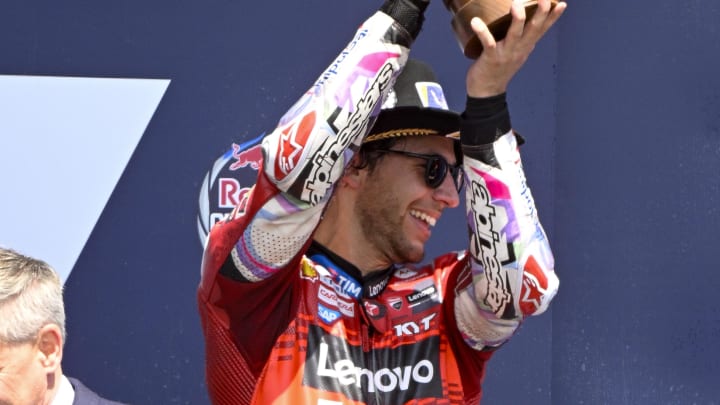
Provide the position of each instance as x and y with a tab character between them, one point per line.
435	171
436	168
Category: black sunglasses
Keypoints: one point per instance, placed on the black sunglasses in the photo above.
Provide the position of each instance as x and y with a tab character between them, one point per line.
436	168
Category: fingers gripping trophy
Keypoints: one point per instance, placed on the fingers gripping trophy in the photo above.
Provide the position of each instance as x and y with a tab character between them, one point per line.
494	13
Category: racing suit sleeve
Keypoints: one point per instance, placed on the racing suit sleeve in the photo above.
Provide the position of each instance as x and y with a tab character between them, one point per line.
511	265
307	152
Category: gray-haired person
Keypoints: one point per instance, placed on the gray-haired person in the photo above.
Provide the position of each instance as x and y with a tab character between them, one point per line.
32	335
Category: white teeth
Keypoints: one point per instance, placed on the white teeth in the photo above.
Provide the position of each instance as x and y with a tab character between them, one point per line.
421	215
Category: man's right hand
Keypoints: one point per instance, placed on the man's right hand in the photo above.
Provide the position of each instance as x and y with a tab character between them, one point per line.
491	73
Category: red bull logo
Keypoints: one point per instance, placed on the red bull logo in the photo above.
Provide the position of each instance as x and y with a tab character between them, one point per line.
226	187
251	156
230	193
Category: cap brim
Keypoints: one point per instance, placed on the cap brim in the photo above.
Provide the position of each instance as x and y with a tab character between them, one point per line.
414	121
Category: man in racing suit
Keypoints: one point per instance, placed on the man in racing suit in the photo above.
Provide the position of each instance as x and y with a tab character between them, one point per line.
308	292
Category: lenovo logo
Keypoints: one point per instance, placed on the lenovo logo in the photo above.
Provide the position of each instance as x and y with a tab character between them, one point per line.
384	375
384	379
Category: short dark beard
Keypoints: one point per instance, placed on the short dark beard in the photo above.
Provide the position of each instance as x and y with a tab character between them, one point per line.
382	227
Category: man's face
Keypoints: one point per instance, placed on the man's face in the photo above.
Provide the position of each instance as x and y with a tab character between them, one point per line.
396	208
23	380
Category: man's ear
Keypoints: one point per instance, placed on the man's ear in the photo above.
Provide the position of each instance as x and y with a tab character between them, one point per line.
353	176
50	347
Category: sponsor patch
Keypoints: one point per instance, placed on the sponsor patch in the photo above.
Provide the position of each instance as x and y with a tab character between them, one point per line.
346	307
431	95
327	315
307	271
330	297
405	273
395	303
374	309
404	374
418	297
412	328
327	295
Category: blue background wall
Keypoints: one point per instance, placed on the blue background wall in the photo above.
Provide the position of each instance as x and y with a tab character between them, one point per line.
621	107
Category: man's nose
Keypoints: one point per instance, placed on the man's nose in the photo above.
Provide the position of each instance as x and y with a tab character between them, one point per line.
447	193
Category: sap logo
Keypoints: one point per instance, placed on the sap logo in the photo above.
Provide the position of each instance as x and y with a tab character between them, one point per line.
327	314
412	328
383	380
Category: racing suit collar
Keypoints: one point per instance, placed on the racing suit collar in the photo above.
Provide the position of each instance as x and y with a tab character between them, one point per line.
372	284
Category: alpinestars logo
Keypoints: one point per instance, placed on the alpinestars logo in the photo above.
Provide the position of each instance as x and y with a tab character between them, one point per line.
490	247
319	180
391	376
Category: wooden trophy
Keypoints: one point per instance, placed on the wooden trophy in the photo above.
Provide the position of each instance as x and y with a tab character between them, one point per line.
494	13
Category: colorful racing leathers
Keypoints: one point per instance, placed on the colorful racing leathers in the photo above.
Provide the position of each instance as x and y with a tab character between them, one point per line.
288	322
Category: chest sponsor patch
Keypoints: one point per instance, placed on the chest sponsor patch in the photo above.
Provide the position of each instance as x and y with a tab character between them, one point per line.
421	296
328	315
381	376
330	297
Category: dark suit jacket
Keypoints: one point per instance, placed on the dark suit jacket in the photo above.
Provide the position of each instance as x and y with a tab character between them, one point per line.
83	395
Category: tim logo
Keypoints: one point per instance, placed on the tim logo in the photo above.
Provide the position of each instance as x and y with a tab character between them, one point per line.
227	184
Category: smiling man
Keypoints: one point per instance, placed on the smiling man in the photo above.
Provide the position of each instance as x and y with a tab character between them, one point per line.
310	292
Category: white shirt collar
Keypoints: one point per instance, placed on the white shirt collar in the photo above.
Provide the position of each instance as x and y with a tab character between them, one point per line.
65	394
